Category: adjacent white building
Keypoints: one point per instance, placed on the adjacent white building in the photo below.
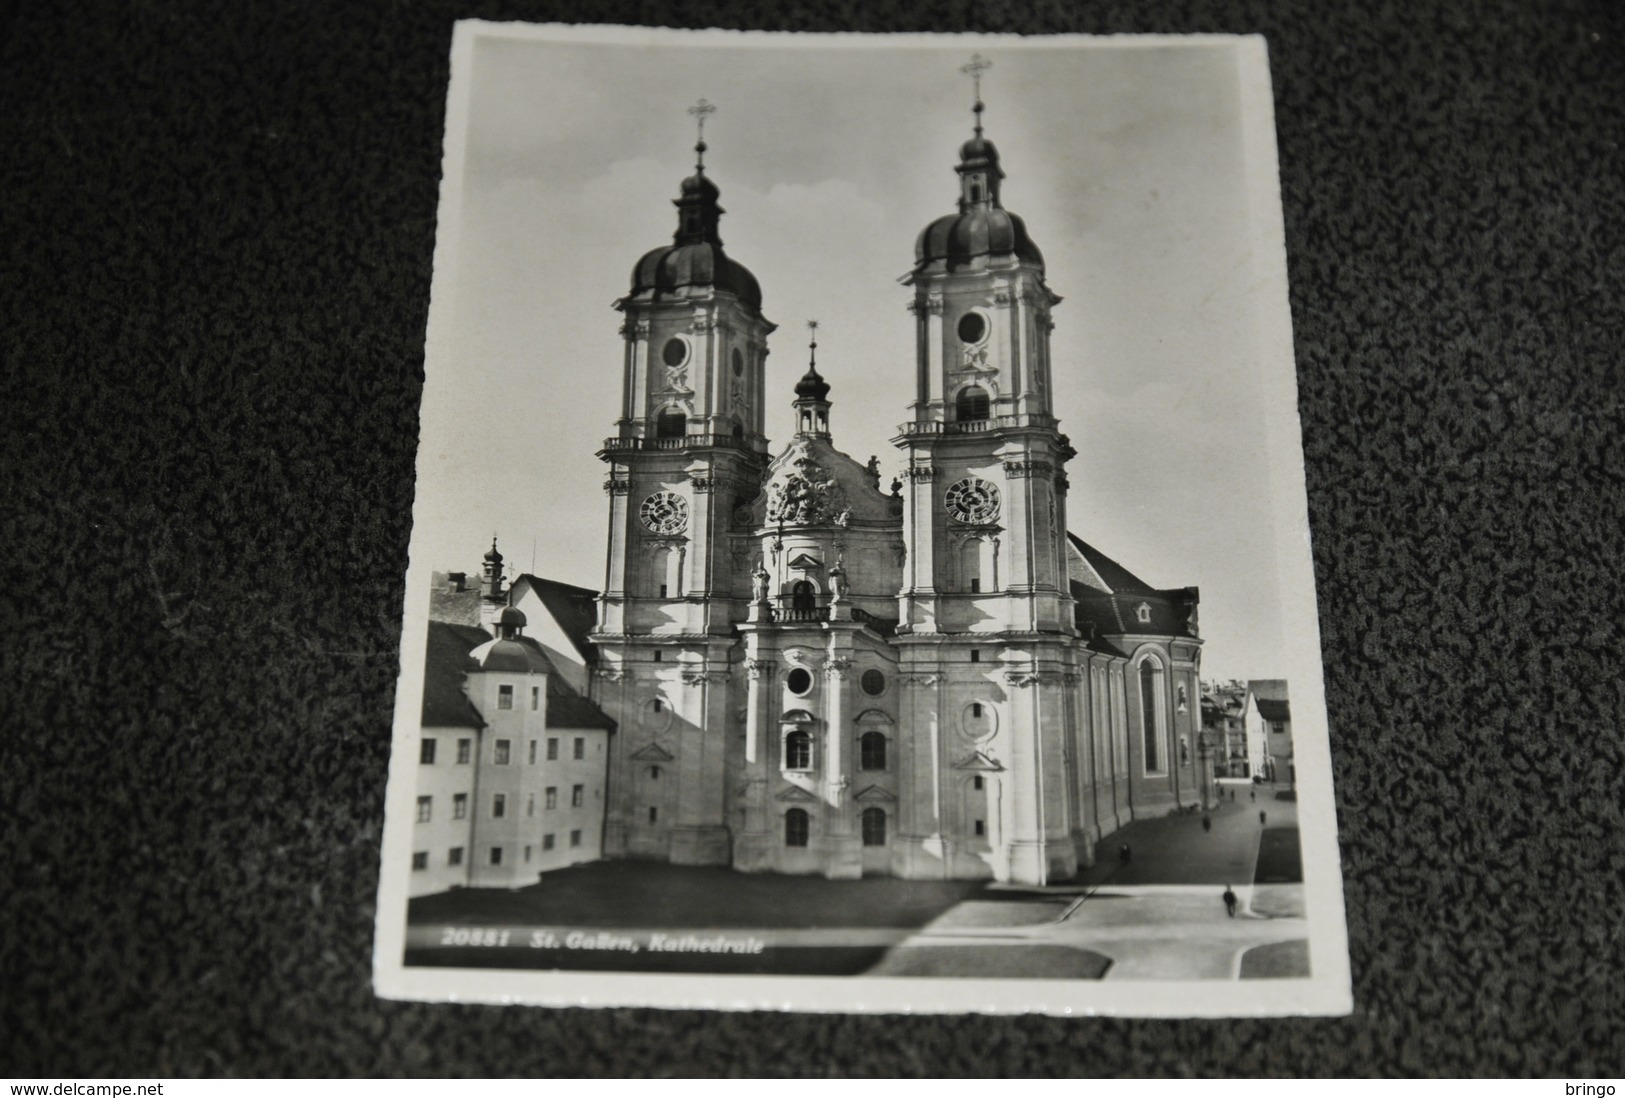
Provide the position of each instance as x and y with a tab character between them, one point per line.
512	758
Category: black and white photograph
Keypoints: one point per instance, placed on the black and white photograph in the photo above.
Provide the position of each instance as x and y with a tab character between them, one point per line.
860	557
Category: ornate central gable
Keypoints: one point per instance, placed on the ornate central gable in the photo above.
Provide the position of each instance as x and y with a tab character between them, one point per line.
805	494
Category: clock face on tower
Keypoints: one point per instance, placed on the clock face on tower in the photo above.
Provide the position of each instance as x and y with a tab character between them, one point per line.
973	500
665	513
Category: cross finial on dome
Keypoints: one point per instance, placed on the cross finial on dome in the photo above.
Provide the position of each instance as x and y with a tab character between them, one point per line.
699	111
977	66
812	347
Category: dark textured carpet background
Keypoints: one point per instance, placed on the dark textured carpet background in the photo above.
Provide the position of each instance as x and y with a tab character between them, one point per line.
216	232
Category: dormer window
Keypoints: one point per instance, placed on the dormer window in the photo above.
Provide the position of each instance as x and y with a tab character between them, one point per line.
1142	613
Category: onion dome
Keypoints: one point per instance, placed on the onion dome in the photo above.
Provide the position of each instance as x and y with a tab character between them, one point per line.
812	386
694	261
491	586
505	654
509	652
812	393
983	233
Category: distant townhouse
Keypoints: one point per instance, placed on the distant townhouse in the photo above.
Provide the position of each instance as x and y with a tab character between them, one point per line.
1268	719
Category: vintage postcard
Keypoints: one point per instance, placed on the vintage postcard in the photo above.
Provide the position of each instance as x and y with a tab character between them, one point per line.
860	557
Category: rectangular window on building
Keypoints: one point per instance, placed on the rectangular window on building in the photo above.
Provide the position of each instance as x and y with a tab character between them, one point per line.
454	856
465	750
426	751
662	590
575	838
547	842
981	828
976	782
496	855
530	804
976	655
580	748
527	853
459	806
654	813
976	709
499	753
535	697
420	859
976	586
552	797
552	748
499	806
657	656
505	697
425	807
577	793
533	752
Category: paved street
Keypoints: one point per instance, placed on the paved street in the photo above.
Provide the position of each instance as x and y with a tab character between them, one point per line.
1157	915
1160	915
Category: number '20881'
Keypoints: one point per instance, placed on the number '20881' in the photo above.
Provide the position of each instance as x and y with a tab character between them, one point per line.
473	936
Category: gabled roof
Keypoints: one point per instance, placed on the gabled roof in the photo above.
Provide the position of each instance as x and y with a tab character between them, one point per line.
574	608
449	659
1268	688
1109	598
446	665
1088	565
1274	709
574	711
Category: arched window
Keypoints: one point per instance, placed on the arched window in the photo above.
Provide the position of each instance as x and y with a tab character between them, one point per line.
1148	715
971	404
803	595
671	424
874	827
798	751
872	751
796	827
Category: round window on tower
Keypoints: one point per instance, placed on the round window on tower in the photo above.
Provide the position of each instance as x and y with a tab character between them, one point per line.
738	363
799	681
972	328
873	683
675	353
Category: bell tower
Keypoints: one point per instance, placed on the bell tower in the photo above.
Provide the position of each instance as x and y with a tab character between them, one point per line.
986	633
688	448
987	492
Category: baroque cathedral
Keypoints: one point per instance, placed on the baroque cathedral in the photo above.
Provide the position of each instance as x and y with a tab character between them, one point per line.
811	673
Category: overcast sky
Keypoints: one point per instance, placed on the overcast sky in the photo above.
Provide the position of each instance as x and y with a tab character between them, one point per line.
1125	160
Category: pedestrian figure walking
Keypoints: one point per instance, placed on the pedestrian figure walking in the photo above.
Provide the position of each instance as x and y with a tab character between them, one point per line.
1124	854
1229	902
1262	817
1207	823
1232	794
1252	794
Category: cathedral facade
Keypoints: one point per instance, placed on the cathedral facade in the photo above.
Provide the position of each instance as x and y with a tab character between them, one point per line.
813	673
